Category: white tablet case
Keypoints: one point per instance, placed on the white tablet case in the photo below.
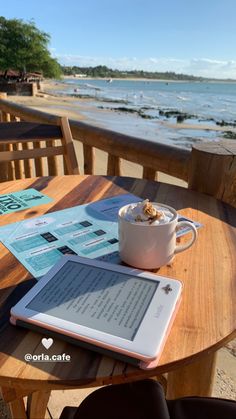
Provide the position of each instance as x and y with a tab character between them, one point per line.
74	299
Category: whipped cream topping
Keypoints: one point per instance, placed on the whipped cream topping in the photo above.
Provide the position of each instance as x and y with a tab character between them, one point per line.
147	213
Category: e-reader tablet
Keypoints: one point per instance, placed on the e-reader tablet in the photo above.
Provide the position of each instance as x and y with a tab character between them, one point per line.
113	309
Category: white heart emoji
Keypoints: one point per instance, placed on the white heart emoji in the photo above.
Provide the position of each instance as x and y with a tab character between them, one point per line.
47	343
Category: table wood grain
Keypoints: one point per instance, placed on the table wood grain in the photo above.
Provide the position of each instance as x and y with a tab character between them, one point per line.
206	319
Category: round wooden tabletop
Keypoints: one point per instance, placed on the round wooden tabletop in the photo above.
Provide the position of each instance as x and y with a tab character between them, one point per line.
207	314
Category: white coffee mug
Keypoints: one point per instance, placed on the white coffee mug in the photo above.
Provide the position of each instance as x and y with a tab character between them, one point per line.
151	246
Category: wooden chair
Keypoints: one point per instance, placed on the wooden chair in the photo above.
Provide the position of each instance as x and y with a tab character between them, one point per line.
146	399
30	149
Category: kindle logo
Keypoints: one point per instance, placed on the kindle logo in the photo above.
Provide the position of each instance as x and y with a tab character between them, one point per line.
47	343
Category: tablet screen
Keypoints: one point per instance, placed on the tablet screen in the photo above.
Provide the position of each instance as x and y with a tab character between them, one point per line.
108	301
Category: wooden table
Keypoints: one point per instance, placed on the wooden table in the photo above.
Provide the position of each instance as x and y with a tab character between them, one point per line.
205	322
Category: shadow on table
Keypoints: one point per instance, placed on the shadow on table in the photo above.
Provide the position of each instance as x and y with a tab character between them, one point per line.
19	342
176	197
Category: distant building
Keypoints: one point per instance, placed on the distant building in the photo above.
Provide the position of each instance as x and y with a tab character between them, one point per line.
12	76
80	75
14	82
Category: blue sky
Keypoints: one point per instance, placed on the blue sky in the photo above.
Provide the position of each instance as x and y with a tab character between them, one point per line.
186	36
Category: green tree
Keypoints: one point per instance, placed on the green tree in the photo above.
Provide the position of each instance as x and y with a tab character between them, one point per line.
23	47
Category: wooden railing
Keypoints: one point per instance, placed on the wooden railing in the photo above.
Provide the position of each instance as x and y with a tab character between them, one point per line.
153	157
208	167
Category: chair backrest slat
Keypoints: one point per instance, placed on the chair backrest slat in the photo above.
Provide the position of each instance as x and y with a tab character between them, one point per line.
18	164
28	169
52	161
31	153
65	166
29	131
30	149
38	161
10	165
70	156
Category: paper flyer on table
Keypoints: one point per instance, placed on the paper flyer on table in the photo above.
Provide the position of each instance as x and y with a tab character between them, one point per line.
86	230
21	200
38	243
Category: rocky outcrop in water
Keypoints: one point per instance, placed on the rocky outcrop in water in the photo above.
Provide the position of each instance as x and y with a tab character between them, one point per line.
180	116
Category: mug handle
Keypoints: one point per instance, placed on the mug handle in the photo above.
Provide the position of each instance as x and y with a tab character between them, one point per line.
181	247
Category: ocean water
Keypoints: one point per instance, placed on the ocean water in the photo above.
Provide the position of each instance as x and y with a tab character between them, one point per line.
151	109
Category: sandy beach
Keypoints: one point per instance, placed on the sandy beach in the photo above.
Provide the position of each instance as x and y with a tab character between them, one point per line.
48	100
